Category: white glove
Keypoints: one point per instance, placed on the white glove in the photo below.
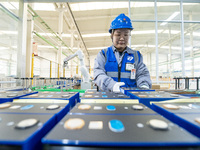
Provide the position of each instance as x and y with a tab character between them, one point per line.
144	87
116	87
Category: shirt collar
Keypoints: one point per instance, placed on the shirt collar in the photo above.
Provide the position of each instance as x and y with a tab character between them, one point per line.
128	50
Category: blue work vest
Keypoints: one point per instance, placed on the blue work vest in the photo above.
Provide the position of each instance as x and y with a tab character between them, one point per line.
119	74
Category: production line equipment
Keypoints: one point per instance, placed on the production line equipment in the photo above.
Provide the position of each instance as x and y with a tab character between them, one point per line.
86	83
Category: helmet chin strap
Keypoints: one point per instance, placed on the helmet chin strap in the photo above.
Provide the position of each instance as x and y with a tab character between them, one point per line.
112	35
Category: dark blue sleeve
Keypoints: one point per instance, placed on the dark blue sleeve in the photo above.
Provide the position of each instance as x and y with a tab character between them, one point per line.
138	56
103	52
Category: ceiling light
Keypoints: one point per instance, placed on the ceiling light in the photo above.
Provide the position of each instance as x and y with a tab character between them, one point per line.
97	5
50	34
196	34
96	48
176	48
113	5
44	6
44	46
142	4
8	32
47	46
3	48
144	32
96	35
14	47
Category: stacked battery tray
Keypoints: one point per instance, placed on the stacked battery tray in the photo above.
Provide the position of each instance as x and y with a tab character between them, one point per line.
112	123
126	90
146	97
46	111
71	96
93	94
8	96
187	93
185	112
101	120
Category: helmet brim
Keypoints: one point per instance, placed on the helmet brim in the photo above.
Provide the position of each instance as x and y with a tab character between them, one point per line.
110	30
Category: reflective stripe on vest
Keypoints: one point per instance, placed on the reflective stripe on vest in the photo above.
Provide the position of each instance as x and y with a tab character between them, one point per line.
123	74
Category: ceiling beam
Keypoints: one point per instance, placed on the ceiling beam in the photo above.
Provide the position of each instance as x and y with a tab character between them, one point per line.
77	28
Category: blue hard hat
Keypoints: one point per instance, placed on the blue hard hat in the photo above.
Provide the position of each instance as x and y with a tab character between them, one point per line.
121	21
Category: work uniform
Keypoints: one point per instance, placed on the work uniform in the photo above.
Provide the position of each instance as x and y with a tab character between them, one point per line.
112	66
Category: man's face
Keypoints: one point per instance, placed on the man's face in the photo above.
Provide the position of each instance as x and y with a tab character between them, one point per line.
120	38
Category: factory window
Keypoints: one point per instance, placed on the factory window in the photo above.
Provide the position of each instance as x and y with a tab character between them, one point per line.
162	21
8	38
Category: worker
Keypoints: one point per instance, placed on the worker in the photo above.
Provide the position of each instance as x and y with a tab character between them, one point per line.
118	65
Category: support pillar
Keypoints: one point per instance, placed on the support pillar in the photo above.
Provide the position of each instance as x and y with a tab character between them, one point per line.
21	52
29	47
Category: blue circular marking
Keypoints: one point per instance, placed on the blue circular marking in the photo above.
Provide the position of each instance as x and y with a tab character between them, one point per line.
104	96
116	126
111	108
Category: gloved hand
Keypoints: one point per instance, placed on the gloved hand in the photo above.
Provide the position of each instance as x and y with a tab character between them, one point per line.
144	87
116	87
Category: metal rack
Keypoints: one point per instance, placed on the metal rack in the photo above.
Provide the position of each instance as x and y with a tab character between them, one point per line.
187	80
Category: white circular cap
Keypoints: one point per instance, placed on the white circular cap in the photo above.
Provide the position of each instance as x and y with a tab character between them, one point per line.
52	107
65	95
158	124
174	95
71	92
197	120
137	107
26	123
84	107
142	95
12	95
134	92
34	95
88	95
5	105
170	106
74	124
121	96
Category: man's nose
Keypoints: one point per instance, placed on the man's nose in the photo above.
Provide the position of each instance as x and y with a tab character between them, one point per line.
122	37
